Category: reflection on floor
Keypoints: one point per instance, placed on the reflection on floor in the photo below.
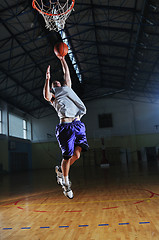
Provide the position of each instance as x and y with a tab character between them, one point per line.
119	202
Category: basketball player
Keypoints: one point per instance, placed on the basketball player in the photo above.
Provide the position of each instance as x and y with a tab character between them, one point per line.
70	132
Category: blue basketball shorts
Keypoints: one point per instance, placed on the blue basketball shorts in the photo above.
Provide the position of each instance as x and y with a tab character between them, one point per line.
70	135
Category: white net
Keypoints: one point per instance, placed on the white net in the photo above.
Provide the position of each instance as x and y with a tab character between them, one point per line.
54	13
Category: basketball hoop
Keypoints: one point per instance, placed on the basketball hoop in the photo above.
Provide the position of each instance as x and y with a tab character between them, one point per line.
54	13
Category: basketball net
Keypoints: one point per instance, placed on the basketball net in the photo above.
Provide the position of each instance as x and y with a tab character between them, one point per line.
54	13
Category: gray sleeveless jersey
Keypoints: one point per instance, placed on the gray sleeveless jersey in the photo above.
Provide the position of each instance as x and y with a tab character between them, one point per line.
67	103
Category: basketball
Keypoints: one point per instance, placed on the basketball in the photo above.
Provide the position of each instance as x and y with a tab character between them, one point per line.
60	49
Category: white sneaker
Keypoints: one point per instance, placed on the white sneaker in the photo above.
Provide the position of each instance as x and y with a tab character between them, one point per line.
67	191
59	176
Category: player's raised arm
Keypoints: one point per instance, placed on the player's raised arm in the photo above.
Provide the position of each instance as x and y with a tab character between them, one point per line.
46	90
66	72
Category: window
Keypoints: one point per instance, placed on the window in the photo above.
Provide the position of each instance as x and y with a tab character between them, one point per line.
105	120
0	121
19	127
24	129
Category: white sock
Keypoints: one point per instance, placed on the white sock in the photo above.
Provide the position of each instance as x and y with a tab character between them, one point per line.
66	180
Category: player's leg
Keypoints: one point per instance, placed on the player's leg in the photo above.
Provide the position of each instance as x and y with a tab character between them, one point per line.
76	154
65	165
66	138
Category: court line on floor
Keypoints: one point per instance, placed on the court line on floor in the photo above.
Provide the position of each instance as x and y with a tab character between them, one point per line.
143	222
63	226
44	227
136	201
80	226
83	225
70	203
26	228
123	223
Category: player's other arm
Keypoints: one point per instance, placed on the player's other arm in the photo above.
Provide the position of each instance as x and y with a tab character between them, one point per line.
46	90
66	72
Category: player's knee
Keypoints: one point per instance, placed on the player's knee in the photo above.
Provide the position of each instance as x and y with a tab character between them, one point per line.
76	155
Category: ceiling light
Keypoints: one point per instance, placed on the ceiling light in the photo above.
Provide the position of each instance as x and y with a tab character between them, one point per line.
152	6
148	21
146	34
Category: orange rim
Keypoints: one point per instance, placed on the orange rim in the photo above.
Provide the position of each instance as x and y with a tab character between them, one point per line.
51	14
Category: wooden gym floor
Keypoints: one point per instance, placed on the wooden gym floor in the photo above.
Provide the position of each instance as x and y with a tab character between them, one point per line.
120	202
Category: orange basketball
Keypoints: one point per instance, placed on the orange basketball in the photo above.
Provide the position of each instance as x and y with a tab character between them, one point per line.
60	49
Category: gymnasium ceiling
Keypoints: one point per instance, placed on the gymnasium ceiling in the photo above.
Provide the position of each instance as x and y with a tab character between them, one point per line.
115	44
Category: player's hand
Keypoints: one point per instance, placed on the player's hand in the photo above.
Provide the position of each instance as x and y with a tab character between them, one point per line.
48	73
61	57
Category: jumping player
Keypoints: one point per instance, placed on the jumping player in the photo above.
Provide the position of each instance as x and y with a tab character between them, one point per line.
70	132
